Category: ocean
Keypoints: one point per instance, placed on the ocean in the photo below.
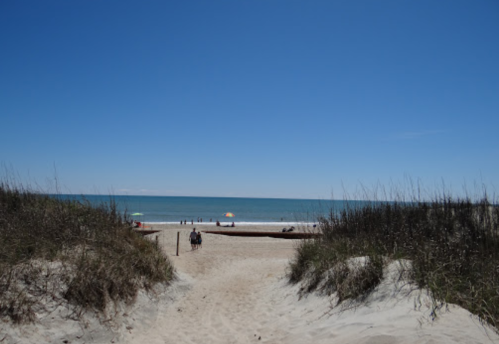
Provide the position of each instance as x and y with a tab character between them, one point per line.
169	209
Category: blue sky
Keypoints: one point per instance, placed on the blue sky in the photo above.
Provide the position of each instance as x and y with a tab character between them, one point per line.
292	99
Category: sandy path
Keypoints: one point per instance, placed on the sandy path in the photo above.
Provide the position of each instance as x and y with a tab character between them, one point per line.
233	290
229	299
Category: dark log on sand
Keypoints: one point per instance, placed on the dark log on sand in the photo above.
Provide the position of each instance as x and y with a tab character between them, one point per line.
144	232
280	235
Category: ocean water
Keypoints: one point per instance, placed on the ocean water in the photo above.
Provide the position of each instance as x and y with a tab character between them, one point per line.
166	209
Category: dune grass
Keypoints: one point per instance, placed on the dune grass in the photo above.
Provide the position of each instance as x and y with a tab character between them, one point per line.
70	251
453	245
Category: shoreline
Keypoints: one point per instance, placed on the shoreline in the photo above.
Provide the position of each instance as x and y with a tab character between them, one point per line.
168	230
237	224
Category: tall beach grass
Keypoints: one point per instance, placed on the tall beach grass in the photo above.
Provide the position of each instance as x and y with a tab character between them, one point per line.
55	250
453	244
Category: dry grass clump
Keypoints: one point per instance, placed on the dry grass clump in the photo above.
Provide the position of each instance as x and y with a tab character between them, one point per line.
336	266
70	250
453	245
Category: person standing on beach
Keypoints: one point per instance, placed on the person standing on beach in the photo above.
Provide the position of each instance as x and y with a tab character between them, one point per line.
194	239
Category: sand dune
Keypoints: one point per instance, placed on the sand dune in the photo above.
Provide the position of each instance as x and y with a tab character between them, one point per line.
233	290
238	294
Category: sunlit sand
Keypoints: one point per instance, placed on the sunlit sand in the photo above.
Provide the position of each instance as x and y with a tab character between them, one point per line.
234	290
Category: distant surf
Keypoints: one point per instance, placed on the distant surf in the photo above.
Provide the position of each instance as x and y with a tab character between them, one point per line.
169	209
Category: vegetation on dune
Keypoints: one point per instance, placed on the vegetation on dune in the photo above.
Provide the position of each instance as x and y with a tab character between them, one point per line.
453	245
70	251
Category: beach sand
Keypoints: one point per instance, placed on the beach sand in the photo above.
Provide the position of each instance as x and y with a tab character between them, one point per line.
234	290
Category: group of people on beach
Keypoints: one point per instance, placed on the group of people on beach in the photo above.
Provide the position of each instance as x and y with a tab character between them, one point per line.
195	239
184	222
232	225
135	224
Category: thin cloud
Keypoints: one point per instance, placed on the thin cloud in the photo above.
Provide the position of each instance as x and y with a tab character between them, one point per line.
124	190
414	135
137	192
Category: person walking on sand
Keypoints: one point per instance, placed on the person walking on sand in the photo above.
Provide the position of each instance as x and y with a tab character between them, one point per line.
194	239
199	240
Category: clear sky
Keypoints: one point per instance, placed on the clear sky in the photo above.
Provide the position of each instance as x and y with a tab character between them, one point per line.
261	98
